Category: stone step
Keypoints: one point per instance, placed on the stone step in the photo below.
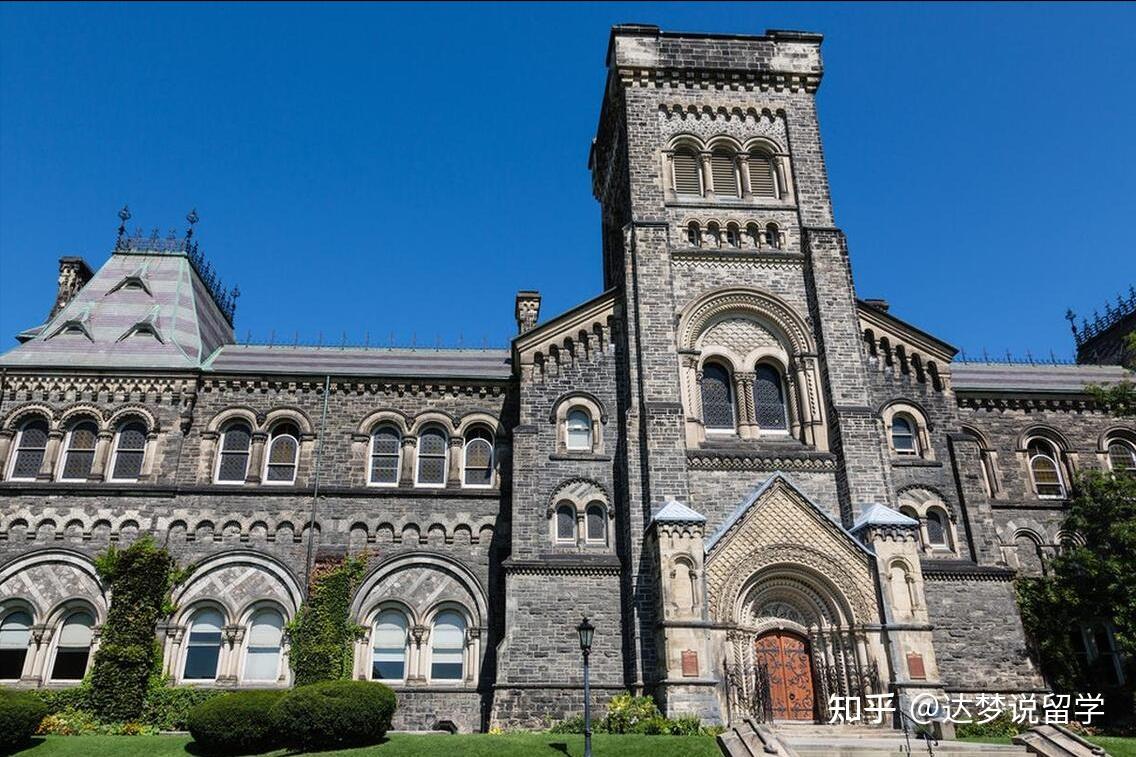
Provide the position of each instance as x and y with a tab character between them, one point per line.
893	747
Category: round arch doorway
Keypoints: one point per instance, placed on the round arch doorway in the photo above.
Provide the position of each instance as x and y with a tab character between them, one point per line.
788	659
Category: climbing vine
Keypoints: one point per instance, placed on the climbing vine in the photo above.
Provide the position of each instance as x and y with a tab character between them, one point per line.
323	633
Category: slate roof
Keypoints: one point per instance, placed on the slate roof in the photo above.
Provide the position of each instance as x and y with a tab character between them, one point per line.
882	515
1014	377
676	512
425	363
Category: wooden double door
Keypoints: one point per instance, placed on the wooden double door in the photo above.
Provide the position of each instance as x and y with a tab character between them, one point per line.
789	661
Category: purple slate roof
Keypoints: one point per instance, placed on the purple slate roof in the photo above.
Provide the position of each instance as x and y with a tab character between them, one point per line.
1045	379
352	361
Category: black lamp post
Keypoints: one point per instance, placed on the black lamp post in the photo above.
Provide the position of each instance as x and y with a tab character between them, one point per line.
586	631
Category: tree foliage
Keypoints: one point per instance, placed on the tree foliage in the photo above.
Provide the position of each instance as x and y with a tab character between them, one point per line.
322	632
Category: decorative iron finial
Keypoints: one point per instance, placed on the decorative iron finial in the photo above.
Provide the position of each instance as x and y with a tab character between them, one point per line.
123	217
192	218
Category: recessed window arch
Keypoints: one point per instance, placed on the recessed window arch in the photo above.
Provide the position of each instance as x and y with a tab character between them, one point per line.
733	235
1121	456
79	450
389	645
478	457
713	234
129	451
283	454
73	648
904	439
772	236
770	408
447	646
565	523
717	398
578	430
433	460
386	455
15	637
233	455
596	523
203	645
694	234
264	641
1045	468
724	169
31	447
762	174
937	531
686	170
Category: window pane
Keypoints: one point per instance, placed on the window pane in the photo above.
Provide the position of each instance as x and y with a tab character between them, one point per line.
769	399
70	664
234	466
448	642
386	441
565	523
432	470
76	631
384	469
389	660
281	472
127	465
1121	457
936	531
80	454
597	523
579	425
283	450
902	435
432	443
204	645
717	398
237	438
1045	476
30	450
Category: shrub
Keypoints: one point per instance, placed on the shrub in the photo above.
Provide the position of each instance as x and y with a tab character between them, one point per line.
236	723
687	725
1000	727
167	707
60	700
68	723
333	714
625	713
571	725
20	715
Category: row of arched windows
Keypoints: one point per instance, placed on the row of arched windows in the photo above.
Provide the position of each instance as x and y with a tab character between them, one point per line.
262	648
80	443
724	171
721	408
71	648
754	236
575	527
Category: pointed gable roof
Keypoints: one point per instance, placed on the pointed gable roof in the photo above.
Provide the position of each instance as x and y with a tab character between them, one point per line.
676	512
882	515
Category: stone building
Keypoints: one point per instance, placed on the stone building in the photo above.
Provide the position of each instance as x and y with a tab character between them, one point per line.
760	488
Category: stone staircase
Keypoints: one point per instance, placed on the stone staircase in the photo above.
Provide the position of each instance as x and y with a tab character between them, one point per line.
750	739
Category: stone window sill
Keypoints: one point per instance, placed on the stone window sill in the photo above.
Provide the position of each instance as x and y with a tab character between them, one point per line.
581	456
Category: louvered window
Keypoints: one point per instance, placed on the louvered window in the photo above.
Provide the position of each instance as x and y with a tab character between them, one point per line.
130	448
385	446
30	449
566	523
725	173
762	179
1045	470
232	467
687	173
80	454
283	454
717	398
479	458
769	399
432	457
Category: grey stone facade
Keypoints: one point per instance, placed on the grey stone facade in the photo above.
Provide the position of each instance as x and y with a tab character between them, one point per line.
609	493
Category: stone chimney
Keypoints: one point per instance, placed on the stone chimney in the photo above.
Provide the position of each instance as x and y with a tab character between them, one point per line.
528	310
74	273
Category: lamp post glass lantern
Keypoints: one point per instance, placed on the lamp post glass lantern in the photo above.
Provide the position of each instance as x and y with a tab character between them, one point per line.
586	630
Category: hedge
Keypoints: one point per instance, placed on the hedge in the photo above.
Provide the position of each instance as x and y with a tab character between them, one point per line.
334	714
20	714
236	723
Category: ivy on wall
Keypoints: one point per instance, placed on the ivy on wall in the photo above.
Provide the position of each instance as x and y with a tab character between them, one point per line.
322	633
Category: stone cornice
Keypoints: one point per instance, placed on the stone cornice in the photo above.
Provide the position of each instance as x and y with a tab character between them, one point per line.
951	570
427	387
599	566
712	460
719	79
1076	402
738	259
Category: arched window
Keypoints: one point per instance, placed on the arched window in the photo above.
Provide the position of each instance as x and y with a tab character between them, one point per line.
578	432
714	234
79	451
694	234
687	172
15	635
432	457
388	661
733	235
283	454
769	399
129	450
31	446
566	523
232	463
1121	456
903	439
724	170
772	236
753	235
447	647
762	177
386	448
74	647
596	524
717	398
479	457
937	529
262	652
1044	469
204	646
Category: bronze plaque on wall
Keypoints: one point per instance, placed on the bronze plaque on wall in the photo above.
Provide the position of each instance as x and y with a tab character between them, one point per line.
689	663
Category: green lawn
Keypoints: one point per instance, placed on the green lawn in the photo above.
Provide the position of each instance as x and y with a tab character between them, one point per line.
405	745
1117	746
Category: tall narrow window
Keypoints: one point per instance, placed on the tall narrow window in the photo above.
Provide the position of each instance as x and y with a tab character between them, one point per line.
1044	469
74	647
694	234
283	454
733	235
386	446
762	178
725	174
479	458
31	446
596	524
1121	457
903	436
566	523
129	449
447	647
262	655
389	657
936	529
769	399
79	454
772	236
432	457
204	646
232	463
717	398
579	430
687	172
15	635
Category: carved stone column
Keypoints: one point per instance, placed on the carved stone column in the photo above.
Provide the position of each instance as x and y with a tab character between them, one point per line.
743	394
50	456
102	452
406	464
707	174
416	674
454	467
256	457
6	436
743	169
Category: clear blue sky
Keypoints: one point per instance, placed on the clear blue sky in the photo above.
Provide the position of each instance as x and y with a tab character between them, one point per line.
407	168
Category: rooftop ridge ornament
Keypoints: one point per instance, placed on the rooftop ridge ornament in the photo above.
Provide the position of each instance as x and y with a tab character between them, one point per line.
1090	329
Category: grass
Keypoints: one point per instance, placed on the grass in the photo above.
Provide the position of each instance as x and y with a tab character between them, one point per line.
1117	746
404	745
